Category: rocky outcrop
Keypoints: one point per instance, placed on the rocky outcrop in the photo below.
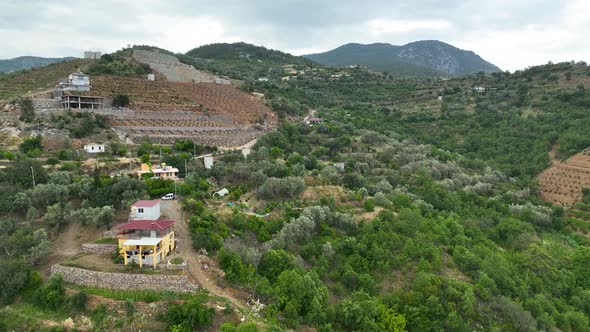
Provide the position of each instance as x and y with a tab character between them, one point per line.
175	283
171	68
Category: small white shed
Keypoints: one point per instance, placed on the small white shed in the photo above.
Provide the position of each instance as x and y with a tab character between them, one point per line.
221	193
94	148
151	77
208	162
145	210
246	152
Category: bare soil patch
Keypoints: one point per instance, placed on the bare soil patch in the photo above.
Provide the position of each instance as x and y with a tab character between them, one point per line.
562	183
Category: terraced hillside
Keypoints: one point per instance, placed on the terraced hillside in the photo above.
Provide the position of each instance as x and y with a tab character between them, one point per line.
164	111
563	182
37	79
145	95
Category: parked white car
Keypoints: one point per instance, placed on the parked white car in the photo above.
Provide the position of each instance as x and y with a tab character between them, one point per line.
168	196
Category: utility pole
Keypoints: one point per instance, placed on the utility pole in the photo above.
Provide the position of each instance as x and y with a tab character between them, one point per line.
160	154
194	150
33	173
185	173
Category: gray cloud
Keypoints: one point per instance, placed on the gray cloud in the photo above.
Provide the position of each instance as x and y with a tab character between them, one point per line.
511	34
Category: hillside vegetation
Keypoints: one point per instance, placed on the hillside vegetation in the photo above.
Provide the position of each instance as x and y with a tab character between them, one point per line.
28	62
241	60
433	224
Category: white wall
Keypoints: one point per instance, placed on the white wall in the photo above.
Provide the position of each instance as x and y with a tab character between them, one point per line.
149	213
208	162
94	148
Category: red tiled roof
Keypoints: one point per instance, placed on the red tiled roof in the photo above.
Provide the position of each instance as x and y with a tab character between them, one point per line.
146	224
146	203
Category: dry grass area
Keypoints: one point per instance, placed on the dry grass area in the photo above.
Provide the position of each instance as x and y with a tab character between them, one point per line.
313	193
562	183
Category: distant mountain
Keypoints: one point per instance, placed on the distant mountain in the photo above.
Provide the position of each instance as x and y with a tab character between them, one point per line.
28	62
421	58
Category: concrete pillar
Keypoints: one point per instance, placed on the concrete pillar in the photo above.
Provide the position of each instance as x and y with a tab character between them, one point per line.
124	256
140	260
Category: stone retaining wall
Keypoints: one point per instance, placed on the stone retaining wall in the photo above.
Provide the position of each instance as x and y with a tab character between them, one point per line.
95	248
124	280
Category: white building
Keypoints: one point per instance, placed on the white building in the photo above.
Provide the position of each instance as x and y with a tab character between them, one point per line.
94	148
208	162
246	152
92	55
151	77
78	82
145	210
221	193
479	89
339	167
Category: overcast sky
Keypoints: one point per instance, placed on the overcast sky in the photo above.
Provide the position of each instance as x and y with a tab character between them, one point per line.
512	34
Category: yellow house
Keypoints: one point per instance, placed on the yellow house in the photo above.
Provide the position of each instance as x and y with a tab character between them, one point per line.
161	172
146	242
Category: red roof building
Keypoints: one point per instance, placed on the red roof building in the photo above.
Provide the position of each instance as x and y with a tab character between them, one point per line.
146	203
146	225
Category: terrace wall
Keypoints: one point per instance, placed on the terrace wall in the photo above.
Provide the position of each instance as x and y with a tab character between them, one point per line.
95	248
175	283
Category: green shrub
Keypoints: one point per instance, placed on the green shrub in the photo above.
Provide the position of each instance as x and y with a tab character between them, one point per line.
369	205
52	161
121	101
51	296
189	315
32	144
78	301
27	110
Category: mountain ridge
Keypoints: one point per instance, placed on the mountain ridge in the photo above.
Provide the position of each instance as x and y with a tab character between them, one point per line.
421	58
28	62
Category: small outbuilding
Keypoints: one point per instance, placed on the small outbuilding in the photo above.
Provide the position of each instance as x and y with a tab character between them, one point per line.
208	162
221	193
94	148
145	210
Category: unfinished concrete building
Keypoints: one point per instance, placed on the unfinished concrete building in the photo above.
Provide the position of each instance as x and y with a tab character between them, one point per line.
82	102
92	55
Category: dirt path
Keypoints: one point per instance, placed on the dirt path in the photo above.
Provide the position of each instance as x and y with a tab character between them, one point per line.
67	243
171	209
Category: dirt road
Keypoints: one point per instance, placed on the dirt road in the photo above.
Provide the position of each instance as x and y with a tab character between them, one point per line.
171	209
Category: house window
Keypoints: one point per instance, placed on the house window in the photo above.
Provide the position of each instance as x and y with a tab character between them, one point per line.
140	210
